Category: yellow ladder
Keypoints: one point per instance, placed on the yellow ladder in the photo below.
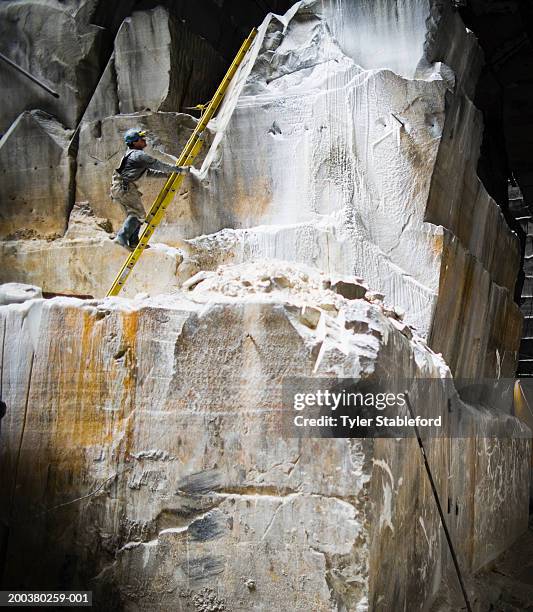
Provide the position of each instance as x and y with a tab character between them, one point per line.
189	153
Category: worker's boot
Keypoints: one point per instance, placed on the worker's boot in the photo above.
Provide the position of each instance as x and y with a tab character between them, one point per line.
131	224
134	240
134	236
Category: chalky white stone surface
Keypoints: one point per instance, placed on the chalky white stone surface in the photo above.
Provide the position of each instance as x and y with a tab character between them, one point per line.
143	433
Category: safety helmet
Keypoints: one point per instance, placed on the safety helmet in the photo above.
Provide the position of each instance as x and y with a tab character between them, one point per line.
133	135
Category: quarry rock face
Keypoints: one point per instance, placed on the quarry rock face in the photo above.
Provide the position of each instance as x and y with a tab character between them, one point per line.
176	468
37	177
77	259
174	68
322	158
73	265
65	56
143	47
17	293
335	227
371	155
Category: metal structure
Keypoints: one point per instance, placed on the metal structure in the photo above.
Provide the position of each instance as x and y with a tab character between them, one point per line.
187	157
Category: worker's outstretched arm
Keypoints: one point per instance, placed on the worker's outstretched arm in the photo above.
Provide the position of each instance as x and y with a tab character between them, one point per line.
155	167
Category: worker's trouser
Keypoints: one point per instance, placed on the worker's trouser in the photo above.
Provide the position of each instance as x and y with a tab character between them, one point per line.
129	198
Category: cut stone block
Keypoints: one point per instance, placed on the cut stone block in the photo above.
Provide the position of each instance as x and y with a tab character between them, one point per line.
17	293
37	177
173	68
115	427
48	40
87	265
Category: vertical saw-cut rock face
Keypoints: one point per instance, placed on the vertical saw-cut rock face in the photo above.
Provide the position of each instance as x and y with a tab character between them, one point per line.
323	162
37	175
157	65
49	41
161	65
463	205
143	62
161	482
320	147
387	34
104	101
477	326
411	38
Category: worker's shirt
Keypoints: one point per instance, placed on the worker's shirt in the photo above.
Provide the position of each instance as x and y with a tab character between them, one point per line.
135	163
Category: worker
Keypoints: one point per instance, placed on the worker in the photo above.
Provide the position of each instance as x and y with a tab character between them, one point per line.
133	166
